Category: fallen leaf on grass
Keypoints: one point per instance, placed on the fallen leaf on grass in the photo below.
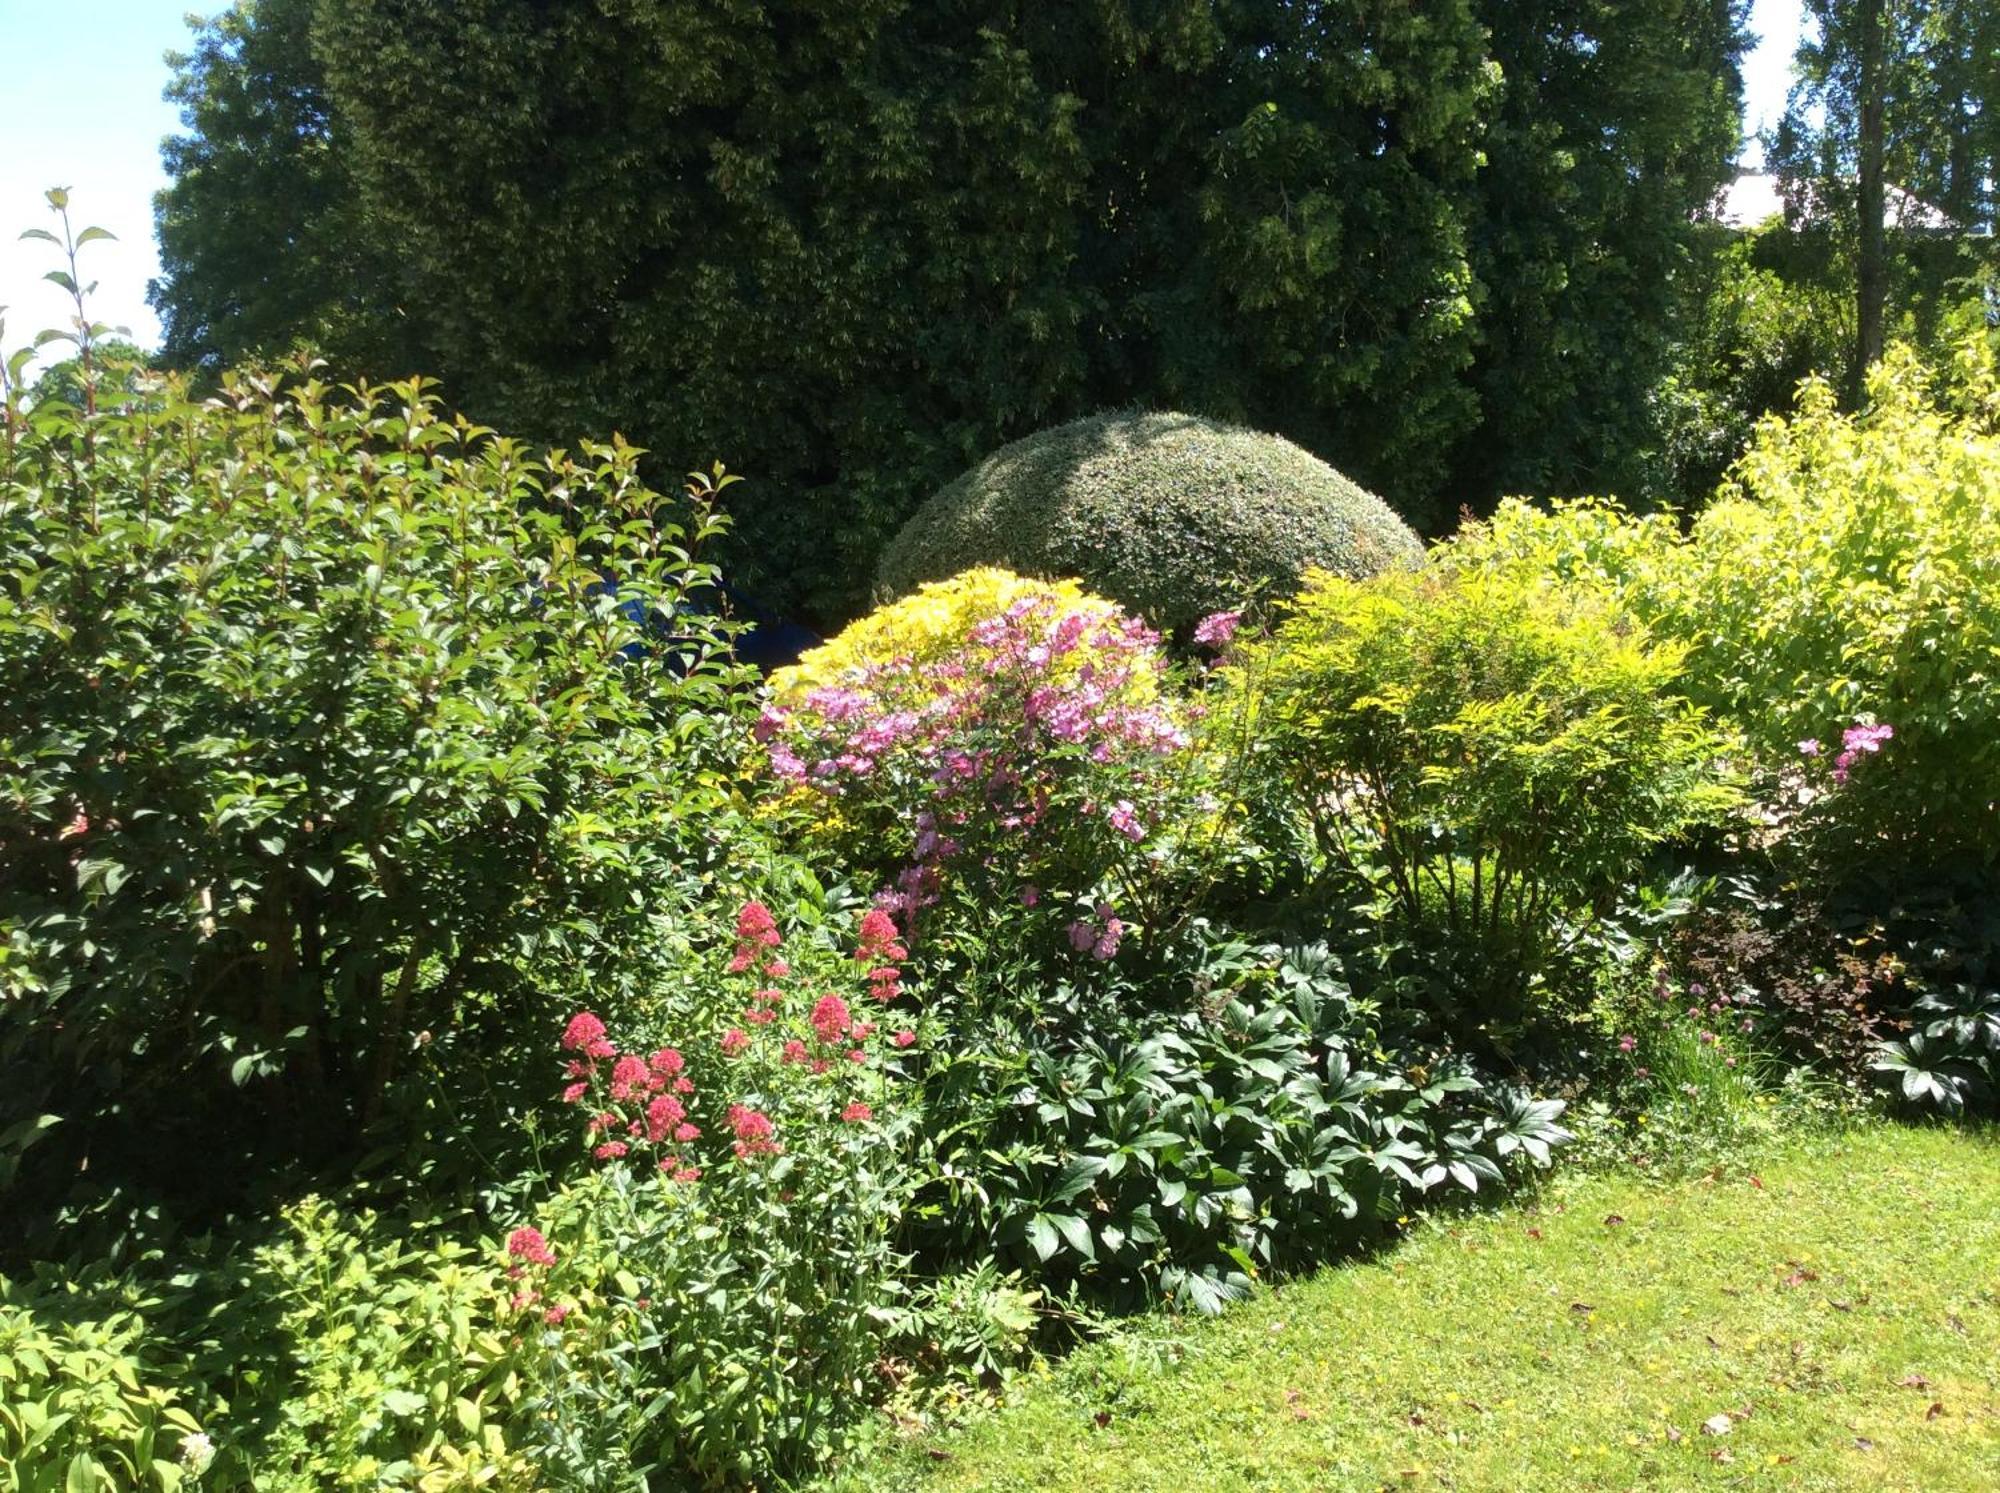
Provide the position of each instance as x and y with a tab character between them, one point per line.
1101	1419
1581	1306
1674	1435
1863	1444
1756	1181
1722	1454
1937	1409
1718	1424
1913	1381
1534	1233
1612	1220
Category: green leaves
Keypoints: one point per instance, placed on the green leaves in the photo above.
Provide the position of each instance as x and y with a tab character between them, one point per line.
1187	1154
334	723
1952	1060
1487	747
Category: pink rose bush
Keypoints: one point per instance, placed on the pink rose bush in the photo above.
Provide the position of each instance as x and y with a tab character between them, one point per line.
1033	763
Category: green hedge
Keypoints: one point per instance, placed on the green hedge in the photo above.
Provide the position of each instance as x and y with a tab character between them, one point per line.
1171	515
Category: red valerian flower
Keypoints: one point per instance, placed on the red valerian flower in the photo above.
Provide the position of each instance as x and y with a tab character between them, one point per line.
554	1315
628	1075
528	1244
574	1092
666	1062
585	1034
662	1115
611	1150
831	1019
754	924
904	1038
794	1052
878	943
755	1134
857	1112
734	1041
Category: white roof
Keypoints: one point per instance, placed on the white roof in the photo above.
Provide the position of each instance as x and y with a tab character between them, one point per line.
1753	198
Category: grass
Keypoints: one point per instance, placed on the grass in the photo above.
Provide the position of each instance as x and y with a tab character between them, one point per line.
1830	1321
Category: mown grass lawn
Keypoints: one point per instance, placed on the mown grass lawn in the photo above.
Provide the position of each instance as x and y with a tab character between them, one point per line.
1830	1321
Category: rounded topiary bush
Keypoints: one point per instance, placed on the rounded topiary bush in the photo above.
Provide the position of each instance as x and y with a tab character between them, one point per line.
1171	515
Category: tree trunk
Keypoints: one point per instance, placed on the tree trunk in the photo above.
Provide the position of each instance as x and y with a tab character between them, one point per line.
1872	282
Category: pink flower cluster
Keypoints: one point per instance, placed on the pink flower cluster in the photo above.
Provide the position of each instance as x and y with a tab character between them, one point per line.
1856	742
1048	726
1097	937
754	1132
644	1102
656	1086
880	951
527	1250
757	938
1217	628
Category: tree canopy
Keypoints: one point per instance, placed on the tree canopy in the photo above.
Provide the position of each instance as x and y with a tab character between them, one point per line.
851	249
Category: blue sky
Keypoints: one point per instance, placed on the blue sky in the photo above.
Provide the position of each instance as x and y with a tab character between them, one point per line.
83	110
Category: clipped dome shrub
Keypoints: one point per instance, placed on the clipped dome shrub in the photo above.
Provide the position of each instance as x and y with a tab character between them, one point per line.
1171	515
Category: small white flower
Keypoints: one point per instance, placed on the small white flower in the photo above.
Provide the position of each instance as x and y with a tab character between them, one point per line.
197	1451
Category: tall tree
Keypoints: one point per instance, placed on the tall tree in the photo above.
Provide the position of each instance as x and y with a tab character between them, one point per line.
1871	283
1892	94
1615	124
848	248
264	239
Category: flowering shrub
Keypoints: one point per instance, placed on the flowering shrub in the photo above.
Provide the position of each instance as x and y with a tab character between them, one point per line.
1025	756
716	1289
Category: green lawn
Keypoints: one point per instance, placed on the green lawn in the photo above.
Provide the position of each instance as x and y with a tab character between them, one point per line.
1844	1316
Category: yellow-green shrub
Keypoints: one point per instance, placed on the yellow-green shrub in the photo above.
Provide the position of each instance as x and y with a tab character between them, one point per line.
1847	574
1492	749
929	624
